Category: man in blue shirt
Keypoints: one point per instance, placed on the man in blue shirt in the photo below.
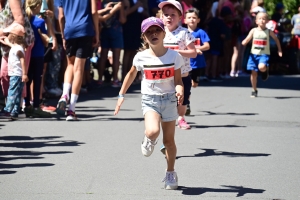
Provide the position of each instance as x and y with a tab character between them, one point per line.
79	21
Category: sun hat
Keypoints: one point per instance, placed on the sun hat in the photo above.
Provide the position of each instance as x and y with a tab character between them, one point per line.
172	2
15	28
152	21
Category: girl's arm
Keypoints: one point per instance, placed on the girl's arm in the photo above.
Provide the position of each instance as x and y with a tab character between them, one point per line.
190	52
129	78
61	20
178	86
16	9
277	43
248	38
122	17
95	22
22	61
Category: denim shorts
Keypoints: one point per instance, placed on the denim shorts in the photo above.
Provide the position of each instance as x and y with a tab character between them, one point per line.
165	105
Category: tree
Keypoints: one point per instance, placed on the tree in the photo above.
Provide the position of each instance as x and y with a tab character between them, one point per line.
290	5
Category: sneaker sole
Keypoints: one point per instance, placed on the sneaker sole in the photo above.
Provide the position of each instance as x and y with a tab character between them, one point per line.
171	187
61	108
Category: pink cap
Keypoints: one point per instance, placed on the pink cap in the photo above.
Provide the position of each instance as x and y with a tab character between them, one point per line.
15	28
172	2
152	21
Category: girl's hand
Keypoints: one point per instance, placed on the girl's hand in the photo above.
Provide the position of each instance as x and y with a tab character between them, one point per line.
49	13
280	53
179	98
118	106
4	40
24	78
199	51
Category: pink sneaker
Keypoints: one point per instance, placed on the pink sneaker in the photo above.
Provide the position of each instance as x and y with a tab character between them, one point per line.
183	125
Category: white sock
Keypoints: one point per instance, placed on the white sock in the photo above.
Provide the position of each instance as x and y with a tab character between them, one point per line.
66	89
73	101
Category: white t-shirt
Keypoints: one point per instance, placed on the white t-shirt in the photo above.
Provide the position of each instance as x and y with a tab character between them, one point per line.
179	39
158	72
14	64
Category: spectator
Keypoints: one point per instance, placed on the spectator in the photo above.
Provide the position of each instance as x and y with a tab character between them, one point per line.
279	9
217	32
81	33
12	11
135	13
36	65
112	38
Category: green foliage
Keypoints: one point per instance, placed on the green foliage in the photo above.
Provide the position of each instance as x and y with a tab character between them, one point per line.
290	5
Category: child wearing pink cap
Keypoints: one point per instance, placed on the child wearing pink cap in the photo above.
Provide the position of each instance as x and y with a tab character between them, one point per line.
182	41
161	90
16	69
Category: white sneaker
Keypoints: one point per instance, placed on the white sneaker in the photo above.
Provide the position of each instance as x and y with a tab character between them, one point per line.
171	181
147	146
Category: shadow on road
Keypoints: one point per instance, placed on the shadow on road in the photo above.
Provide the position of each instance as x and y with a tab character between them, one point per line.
240	190
214	152
217	126
228	113
21	142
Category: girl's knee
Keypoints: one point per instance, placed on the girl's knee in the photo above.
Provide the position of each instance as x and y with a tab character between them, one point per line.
152	132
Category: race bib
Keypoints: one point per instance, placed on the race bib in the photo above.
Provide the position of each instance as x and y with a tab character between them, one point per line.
259	43
173	46
159	73
197	42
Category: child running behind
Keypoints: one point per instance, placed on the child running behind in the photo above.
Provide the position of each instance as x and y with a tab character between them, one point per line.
16	69
260	51
201	44
182	41
161	78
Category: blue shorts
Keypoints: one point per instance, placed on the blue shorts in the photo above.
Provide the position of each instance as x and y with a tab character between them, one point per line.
111	38
254	60
165	105
187	86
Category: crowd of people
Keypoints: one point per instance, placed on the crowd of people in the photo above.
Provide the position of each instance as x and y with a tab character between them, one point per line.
172	44
223	28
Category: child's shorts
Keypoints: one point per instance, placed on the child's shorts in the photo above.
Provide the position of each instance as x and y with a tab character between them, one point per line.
187	86
254	60
165	105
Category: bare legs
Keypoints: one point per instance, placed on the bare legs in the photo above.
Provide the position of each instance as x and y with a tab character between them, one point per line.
152	130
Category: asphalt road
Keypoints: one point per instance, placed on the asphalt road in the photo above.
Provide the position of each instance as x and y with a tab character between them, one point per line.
238	148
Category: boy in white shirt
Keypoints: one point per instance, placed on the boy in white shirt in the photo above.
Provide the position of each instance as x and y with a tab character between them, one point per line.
182	41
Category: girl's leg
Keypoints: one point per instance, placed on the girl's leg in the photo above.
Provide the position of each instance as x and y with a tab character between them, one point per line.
152	130
152	125
43	81
169	142
234	60
37	81
4	76
116	63
102	61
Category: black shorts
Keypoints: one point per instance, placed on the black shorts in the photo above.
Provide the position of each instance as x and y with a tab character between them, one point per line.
79	47
195	74
187	85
